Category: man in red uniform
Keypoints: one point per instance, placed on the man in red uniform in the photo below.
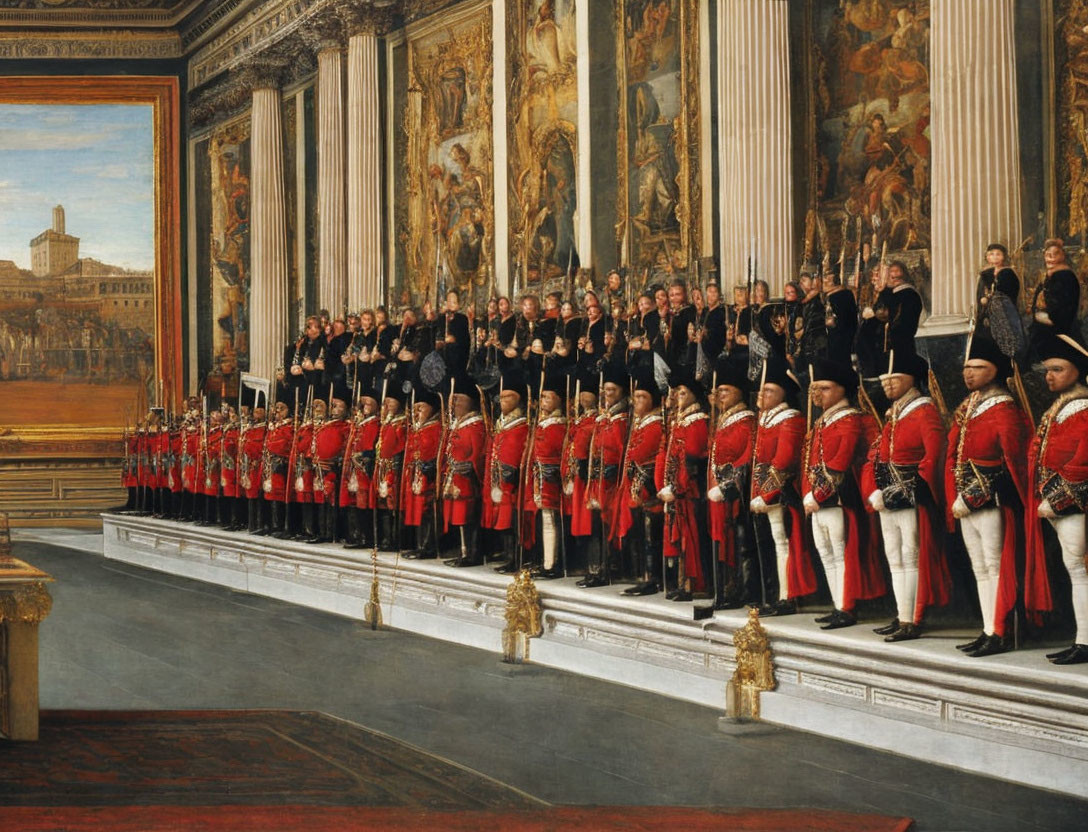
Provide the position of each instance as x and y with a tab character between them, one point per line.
575	472
727	486
606	458
542	489
780	434
211	447
463	470
329	440
130	476
388	462
250	450
357	482
1058	463
681	484
191	463
638	512
903	481
504	458
173	472
832	499
986	485
302	470
230	505
418	488
275	462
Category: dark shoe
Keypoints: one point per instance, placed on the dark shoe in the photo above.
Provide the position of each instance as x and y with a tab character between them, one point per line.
464	562
507	568
261	532
591	581
886	630
1079	655
785	607
283	536
823	619
1061	653
729	603
907	632
990	647
317	539
840	619
355	544
972	645
643	588
681	595
415	554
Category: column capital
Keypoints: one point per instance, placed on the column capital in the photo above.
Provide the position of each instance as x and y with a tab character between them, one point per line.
262	72
324	31
366	19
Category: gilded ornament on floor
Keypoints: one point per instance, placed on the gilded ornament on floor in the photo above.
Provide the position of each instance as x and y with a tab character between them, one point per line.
523	618
755	669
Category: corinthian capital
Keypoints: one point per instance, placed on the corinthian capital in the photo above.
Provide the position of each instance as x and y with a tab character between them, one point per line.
262	72
367	18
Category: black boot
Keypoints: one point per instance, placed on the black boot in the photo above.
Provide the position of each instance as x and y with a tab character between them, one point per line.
354	539
278	522
253	517
385	530
307	531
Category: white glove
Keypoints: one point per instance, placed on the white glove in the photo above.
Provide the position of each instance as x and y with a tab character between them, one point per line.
715	494
876	500
568	488
758	505
1045	510
496	495
666	495
959	508
300	484
810	502
1042	317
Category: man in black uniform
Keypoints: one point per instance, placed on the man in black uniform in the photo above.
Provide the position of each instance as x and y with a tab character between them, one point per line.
453	335
840	320
680	318
1056	300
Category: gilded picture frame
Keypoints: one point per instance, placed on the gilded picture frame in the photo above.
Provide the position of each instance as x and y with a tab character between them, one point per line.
66	439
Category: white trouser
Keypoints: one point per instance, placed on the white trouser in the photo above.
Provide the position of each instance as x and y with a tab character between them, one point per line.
1071	534
549	536
829	530
900	531
777	518
983	537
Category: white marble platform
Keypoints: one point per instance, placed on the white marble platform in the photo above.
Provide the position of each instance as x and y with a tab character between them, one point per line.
1012	716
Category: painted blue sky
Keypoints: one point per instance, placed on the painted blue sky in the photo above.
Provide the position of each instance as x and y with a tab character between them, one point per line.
94	159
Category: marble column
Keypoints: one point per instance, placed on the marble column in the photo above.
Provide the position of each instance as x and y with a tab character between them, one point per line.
331	228
756	190
975	150
269	304
364	154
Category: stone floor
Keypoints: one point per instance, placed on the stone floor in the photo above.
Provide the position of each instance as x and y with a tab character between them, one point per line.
124	637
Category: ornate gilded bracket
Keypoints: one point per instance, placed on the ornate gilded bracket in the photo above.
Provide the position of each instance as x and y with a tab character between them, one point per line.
755	670
25	604
523	618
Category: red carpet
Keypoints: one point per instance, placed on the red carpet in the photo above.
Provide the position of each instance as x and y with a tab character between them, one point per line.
317	819
207	771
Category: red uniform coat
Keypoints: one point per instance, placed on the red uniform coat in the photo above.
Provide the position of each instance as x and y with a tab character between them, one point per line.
990	430
144	473
463	469
780	433
543	487
192	466
329	441
687	441
575	472
301	487
420	470
1058	465
637	485
839	441
609	441
173	469
249	460
357	471
228	468
276	460
730	457
209	481
389	458
130	477
502	471
914	436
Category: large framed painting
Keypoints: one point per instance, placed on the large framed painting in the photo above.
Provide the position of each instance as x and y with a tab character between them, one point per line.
543	141
90	313
657	227
446	223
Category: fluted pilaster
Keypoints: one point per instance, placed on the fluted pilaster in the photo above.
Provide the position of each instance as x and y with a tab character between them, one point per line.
756	191
364	206
331	228
268	301
976	186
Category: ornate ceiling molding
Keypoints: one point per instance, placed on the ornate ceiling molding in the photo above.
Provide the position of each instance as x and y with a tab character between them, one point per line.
133	44
96	13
